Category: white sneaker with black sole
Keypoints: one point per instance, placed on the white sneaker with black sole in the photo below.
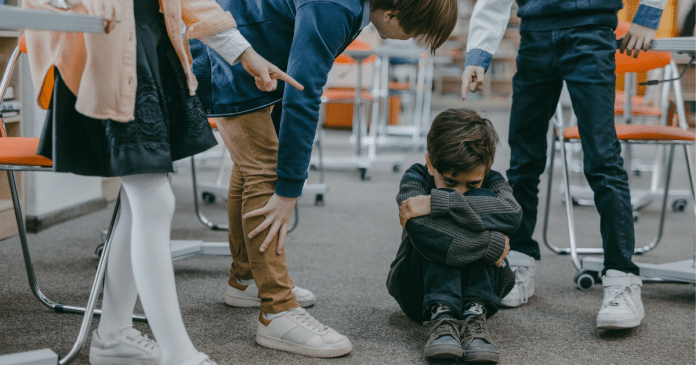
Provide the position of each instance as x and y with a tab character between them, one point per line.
298	332
524	267
249	297
622	306
129	347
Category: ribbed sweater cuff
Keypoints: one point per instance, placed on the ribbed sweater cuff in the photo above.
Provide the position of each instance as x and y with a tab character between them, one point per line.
439	203
495	248
289	188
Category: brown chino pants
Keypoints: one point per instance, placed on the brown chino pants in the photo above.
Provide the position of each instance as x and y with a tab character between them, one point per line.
253	145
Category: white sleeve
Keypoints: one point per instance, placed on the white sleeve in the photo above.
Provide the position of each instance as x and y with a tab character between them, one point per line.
487	27
229	44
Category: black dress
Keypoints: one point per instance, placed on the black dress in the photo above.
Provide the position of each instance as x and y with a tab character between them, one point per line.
169	123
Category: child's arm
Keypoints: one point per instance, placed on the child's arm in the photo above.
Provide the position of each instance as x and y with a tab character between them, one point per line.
487	27
441	239
494	207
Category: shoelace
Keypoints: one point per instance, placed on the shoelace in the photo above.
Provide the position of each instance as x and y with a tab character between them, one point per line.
476	328
437	329
306	318
617	295
144	341
520	276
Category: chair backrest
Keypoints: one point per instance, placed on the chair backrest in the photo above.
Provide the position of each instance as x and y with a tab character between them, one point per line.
22	44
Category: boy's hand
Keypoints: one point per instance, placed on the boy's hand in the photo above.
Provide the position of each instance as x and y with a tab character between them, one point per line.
415	206
505	252
265	73
472	79
277	211
638	38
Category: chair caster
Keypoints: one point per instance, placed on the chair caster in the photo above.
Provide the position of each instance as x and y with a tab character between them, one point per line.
397	168
312	167
319	200
586	279
208	197
679	205
365	175
636	216
99	250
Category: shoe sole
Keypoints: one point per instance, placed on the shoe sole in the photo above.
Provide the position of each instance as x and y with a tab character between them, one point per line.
287	346
100	360
245	302
482	357
443	352
618	325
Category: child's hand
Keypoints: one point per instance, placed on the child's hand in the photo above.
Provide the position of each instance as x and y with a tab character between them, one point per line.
414	207
505	252
636	39
472	79
265	73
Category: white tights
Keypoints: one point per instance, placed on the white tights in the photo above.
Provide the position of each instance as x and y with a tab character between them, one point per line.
140	262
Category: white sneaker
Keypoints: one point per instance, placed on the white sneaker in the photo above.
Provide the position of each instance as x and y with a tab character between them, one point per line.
129	347
298	332
524	267
622	307
249	297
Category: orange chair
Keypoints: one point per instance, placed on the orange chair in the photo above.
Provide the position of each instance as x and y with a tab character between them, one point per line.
628	134
19	154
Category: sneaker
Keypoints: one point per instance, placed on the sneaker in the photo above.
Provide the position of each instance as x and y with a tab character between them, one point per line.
298	332
443	338
199	359
476	340
249	296
622	307
524	267
129	347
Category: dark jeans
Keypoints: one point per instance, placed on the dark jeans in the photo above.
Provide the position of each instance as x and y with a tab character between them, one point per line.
449	285
583	57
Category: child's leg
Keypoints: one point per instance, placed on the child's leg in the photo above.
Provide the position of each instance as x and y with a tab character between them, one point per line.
442	285
240	269
152	205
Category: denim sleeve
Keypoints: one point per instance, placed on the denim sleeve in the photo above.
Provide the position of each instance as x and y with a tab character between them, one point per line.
321	30
649	13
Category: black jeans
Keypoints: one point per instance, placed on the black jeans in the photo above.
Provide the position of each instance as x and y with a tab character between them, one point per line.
583	57
449	285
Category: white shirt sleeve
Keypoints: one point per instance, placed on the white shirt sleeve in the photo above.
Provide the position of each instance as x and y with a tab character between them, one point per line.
487	27
229	43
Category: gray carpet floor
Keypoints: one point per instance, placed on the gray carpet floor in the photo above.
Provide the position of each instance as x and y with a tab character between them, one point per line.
342	251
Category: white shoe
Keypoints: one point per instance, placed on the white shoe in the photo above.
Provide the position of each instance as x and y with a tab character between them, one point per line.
199	359
249	297
129	347
524	267
298	332
622	307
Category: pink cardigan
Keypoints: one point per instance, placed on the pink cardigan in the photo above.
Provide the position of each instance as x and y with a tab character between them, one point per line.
100	68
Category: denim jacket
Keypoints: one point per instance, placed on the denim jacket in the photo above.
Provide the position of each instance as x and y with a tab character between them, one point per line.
490	18
301	37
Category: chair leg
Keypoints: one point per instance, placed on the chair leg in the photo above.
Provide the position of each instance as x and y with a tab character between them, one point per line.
199	214
59	308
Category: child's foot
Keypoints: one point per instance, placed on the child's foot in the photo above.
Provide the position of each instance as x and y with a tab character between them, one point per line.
129	347
443	338
524	267
298	332
477	343
622	307
249	296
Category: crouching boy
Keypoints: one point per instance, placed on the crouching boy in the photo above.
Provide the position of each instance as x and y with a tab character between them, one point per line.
450	269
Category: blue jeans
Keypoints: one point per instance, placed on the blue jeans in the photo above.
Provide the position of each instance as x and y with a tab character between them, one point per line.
583	57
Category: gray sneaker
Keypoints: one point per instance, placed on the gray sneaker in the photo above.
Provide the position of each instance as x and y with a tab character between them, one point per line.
443	339
476	340
129	347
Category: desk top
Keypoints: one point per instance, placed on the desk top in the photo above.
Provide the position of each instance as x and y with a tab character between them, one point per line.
14	18
390	51
679	44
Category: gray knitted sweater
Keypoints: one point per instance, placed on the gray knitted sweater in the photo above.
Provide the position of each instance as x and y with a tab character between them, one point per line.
461	229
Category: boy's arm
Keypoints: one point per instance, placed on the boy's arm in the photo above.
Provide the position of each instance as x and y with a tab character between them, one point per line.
441	239
480	209
643	28
487	27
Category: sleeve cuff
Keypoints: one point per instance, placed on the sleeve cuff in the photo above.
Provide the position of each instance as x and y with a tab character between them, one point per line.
478	57
229	43
648	16
289	188
496	247
439	203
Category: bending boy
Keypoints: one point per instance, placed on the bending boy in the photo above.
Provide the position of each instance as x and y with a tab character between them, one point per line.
456	213
271	151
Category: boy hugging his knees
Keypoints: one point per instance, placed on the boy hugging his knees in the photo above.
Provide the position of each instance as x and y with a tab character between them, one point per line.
457	213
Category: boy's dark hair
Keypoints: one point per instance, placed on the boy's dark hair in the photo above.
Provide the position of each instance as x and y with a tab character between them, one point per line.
460	140
430	21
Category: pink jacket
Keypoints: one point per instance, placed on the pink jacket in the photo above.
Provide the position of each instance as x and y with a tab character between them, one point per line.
100	68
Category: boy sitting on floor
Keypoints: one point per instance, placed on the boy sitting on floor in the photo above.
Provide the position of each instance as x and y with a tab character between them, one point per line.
450	269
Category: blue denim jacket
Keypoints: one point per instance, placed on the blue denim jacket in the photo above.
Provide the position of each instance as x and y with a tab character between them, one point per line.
302	37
